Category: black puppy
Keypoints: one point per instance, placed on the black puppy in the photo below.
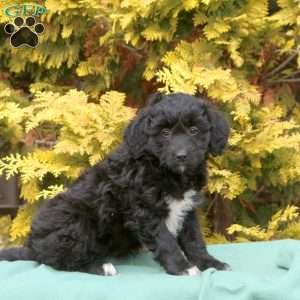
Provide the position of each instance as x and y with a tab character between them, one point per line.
143	194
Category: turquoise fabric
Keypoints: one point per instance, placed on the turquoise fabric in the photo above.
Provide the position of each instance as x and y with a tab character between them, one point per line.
261	271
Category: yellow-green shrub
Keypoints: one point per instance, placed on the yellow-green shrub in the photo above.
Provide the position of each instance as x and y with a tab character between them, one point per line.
85	132
242	55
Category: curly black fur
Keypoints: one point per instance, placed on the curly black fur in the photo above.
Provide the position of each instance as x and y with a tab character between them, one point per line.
124	202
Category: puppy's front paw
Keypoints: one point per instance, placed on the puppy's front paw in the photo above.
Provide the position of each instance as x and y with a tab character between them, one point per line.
211	262
220	266
193	271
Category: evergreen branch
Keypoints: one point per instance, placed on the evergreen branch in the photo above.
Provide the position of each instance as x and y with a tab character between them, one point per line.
284	80
134	50
282	65
292	74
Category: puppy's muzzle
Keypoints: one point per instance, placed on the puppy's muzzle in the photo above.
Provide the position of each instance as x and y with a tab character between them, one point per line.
181	156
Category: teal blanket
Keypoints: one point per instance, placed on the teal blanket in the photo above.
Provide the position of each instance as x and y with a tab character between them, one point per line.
261	271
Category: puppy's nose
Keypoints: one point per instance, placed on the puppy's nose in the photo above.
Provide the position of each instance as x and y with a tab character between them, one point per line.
181	155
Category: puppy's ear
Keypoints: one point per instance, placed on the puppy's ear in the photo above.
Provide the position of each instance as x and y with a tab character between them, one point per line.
135	136
219	130
154	98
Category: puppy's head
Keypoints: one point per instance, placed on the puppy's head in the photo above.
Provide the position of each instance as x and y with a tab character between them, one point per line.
179	129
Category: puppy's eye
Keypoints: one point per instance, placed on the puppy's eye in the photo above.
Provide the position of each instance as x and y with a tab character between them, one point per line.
165	132
193	130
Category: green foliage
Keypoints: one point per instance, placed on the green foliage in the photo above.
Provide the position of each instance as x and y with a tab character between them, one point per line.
5	223
11	130
241	55
85	133
285	223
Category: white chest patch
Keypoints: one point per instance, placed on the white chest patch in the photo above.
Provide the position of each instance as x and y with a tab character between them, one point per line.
178	209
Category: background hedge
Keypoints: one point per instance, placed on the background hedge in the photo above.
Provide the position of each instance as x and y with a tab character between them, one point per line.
64	104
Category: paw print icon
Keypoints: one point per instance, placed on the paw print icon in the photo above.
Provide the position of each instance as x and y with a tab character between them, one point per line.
24	32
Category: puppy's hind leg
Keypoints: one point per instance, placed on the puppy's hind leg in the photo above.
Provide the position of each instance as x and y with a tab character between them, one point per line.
97	268
109	269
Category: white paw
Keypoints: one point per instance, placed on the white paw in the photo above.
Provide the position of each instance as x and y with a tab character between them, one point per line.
109	269
193	271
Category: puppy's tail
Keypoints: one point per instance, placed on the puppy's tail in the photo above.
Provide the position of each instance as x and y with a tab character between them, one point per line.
17	253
